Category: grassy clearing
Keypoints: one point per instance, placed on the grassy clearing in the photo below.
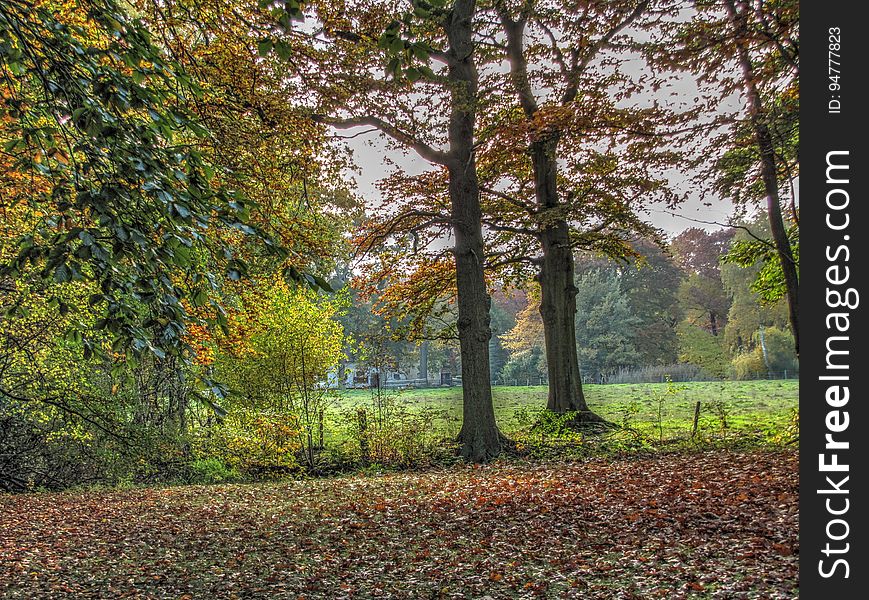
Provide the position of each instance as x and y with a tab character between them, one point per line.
727	407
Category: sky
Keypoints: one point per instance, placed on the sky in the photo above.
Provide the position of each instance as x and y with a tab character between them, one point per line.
371	153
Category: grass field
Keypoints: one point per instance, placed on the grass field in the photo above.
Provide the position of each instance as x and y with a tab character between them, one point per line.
725	406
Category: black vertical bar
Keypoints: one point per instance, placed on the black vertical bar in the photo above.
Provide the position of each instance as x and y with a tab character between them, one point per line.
833	260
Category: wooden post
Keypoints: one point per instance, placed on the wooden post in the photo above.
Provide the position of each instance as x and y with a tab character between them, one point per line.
696	418
363	434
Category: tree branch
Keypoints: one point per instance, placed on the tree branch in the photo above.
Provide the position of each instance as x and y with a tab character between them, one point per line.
580	66
424	150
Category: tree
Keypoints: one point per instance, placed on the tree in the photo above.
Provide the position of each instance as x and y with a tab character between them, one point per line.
94	112
261	134
752	49
702	294
739	13
443	32
651	284
563	163
591	159
699	347
751	309
122	236
283	342
699	251
605	324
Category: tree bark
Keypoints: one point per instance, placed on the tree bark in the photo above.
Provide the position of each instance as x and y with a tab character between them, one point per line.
557	291
479	437
768	170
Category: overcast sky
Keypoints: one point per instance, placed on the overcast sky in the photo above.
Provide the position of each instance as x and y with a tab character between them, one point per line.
370	152
372	155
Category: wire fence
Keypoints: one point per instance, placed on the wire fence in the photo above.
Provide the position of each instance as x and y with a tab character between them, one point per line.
537	380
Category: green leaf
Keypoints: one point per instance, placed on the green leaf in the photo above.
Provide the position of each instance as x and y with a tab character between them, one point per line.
396	45
264	46
283	50
86	238
420	52
62	274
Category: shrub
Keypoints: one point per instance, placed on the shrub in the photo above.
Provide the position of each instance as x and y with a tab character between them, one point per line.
282	347
387	432
748	365
780	356
256	443
211	470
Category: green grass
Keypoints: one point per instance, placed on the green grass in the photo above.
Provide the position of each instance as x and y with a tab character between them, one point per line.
727	407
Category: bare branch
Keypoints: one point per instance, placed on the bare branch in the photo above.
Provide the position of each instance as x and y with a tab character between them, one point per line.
421	148
514	201
580	66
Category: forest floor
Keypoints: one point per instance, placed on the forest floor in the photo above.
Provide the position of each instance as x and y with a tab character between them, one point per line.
711	524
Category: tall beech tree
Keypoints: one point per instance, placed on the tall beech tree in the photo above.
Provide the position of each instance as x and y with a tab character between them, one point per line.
556	274
593	155
752	48
405	105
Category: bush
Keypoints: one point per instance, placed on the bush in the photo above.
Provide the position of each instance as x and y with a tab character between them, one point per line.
748	365
284	347
258	444
780	356
211	470
390	434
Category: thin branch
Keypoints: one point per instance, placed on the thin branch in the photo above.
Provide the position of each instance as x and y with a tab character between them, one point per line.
514	201
579	67
719	224
356	135
424	150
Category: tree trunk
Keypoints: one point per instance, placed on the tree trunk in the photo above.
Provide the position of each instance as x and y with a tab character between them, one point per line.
423	361
768	170
480	439
557	292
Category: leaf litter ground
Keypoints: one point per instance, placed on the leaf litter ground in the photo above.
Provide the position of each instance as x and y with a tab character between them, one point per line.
716	524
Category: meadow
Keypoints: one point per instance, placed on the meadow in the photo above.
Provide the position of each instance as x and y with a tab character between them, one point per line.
764	408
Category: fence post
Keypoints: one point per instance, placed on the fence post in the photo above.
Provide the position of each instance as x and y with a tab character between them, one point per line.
363	434
696	419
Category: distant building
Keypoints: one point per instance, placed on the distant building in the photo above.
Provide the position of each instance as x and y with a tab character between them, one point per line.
351	375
